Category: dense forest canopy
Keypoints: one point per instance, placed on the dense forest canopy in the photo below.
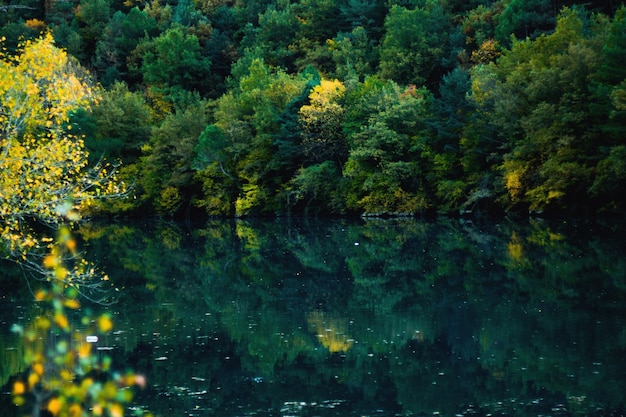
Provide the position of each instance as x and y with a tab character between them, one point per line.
338	107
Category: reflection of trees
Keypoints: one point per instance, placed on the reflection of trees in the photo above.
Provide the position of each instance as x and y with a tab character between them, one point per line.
12	348
11	345
418	310
331	332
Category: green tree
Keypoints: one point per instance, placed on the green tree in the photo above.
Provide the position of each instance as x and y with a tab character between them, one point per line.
240	146
317	189
275	36
610	78
417	45
91	18
122	125
387	163
354	55
118	41
451	113
187	15
610	110
216	162
321	20
478	24
166	177
368	14
524	19
174	61
541	104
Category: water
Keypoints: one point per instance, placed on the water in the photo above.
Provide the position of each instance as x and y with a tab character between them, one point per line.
359	318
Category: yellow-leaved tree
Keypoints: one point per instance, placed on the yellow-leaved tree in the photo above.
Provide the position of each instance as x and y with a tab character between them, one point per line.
45	178
44	172
321	120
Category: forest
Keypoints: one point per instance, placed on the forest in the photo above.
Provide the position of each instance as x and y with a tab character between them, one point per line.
317	107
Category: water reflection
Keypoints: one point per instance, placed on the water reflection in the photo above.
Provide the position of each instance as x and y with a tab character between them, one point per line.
394	317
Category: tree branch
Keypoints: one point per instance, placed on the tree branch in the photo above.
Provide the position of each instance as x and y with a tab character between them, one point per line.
15	6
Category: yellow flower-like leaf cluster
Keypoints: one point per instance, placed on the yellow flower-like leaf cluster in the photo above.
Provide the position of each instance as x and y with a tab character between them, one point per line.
324	101
44	172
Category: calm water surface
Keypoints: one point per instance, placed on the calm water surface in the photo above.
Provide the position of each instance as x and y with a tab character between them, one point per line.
358	318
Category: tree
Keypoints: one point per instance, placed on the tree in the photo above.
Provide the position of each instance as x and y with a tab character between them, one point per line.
238	155
387	164
91	17
216	162
166	170
524	19
174	61
354	55
275	36
541	97
44	176
610	80
451	113
122	125
478	24
368	14
44	172
416	44
321	122
317	189
321	19
610	110
119	39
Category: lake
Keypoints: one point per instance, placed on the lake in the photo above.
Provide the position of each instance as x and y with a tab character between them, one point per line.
363	317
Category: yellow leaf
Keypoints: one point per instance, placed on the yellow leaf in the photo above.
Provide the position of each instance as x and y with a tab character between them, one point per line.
38	368
61	320
42	323
19	388
116	410
75	410
72	303
54	406
60	273
97	410
50	261
84	350
33	379
71	245
104	323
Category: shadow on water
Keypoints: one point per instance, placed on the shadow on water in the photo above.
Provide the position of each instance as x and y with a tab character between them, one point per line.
403	317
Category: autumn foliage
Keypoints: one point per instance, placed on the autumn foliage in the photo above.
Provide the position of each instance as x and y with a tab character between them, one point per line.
45	177
44	172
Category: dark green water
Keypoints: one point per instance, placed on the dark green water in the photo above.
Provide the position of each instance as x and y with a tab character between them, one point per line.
360	318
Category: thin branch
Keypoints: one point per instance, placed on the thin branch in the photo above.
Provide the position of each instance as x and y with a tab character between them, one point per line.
15	6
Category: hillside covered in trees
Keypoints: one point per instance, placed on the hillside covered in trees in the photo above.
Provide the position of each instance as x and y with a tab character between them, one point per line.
341	107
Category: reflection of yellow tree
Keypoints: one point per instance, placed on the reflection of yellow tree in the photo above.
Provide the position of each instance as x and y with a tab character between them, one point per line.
516	249
330	331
